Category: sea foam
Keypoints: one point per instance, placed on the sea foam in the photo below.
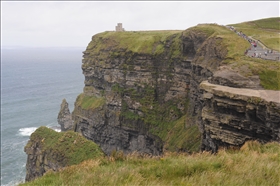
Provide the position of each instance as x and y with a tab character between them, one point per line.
29	130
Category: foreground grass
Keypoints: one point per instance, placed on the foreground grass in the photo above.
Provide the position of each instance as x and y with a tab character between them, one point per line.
254	164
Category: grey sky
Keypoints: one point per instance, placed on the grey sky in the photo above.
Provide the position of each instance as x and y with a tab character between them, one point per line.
62	24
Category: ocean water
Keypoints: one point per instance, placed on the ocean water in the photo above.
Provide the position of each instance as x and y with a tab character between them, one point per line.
33	83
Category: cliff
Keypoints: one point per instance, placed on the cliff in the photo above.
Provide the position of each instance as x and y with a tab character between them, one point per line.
156	91
50	150
142	90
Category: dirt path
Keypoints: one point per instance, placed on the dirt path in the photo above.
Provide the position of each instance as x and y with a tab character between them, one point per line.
257	49
260	51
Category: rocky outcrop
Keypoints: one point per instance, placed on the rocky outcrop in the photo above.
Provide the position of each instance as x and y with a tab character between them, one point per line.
50	150
64	117
39	161
231	116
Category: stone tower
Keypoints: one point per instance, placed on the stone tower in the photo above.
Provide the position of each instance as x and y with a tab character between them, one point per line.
119	28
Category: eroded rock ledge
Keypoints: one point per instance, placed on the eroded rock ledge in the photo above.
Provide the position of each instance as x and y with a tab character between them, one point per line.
232	116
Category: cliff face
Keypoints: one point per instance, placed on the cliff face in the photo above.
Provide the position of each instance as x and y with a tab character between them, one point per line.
140	88
143	94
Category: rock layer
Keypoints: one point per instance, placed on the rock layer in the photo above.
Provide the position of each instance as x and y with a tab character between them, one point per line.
232	116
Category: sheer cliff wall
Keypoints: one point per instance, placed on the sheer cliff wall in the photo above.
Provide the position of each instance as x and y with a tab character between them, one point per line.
142	92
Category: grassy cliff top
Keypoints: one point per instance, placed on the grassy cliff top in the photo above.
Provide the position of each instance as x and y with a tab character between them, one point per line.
234	44
147	42
153	42
254	164
71	146
265	30
268	32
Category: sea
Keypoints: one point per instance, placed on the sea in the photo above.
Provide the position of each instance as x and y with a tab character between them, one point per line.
34	81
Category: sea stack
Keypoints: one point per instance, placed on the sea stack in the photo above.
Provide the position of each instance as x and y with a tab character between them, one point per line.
64	117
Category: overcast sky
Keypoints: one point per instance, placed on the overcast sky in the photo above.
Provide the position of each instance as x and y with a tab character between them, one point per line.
63	24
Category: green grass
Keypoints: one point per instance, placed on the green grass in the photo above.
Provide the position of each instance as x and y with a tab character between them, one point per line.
268	71
145	42
89	102
265	30
254	164
270	79
69	147
268	23
231	42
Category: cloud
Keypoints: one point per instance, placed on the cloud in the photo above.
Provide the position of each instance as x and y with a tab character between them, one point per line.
73	23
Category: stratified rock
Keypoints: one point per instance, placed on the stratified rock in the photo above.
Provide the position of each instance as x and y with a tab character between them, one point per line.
231	116
64	117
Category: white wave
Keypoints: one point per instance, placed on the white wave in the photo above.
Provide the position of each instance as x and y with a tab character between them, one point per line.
27	131
56	129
